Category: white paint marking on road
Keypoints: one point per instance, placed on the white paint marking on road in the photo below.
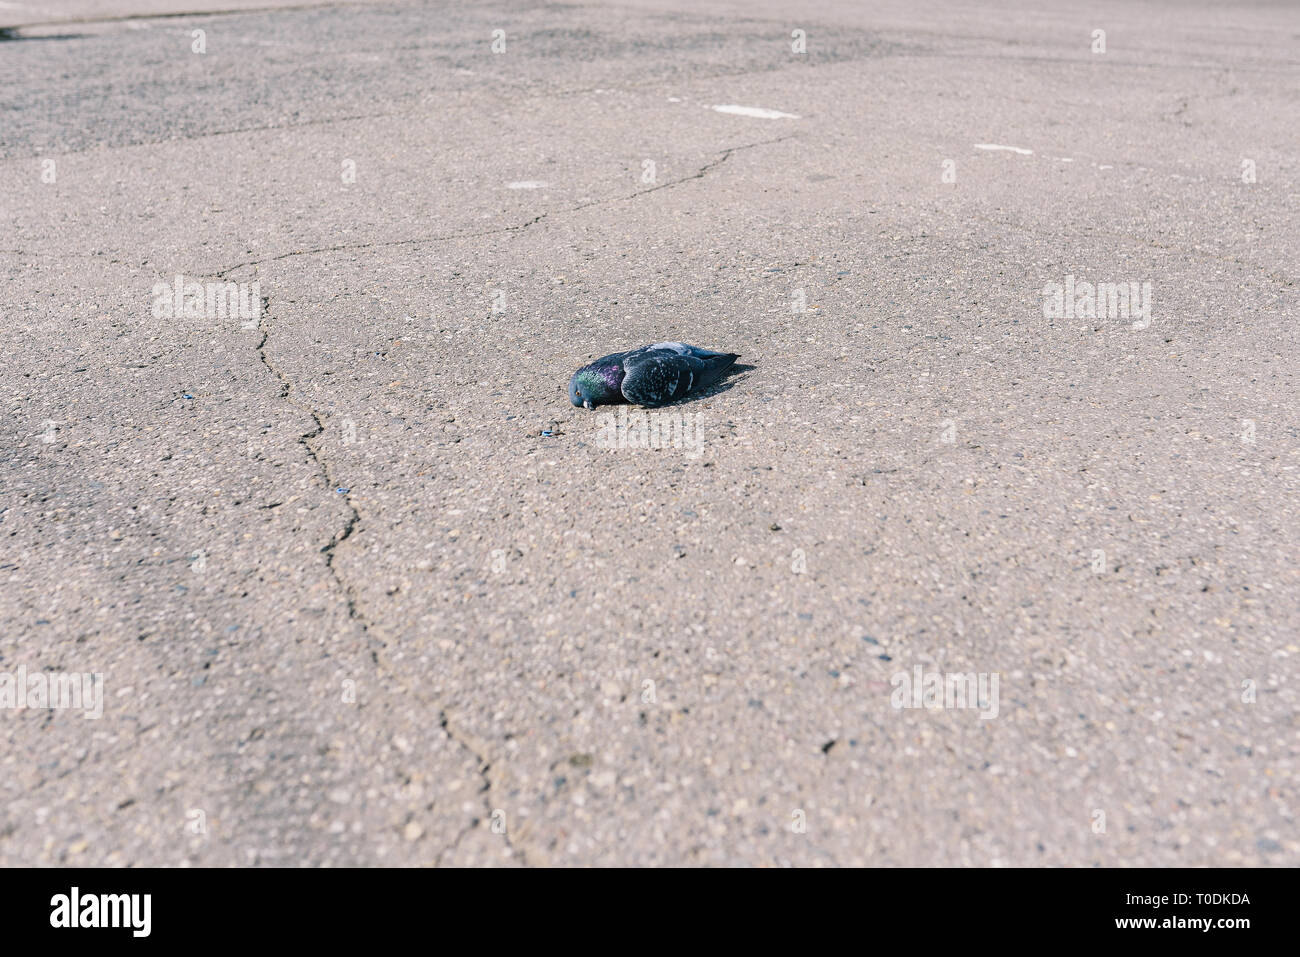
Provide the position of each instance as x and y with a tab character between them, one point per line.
1105	167
757	112
995	146
527	184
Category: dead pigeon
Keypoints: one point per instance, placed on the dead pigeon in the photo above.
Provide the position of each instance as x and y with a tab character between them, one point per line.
650	376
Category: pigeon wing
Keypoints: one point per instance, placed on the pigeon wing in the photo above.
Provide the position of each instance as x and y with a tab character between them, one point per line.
660	374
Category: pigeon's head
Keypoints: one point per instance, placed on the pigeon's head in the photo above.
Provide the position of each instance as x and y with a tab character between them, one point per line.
588	389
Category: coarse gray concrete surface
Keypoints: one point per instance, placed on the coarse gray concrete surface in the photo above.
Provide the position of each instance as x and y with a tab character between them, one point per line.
351	603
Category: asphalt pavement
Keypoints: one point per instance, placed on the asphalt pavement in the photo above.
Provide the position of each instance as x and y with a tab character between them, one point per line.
989	555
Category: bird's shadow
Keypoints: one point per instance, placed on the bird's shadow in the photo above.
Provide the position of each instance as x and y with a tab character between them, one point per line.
719	387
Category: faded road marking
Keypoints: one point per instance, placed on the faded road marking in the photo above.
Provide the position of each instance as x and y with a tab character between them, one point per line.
995	146
756	111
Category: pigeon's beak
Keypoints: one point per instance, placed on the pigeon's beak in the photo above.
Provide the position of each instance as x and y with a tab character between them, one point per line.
586	403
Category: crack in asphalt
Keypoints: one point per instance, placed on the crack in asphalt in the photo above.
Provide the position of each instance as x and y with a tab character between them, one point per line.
476	750
354	518
703	171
